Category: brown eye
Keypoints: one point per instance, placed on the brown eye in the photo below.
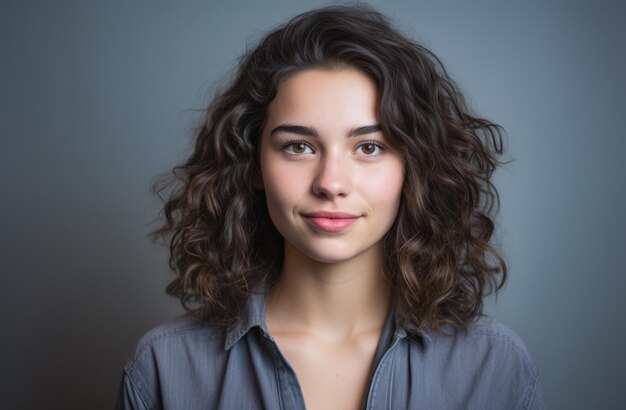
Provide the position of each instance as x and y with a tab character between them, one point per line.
370	149
297	148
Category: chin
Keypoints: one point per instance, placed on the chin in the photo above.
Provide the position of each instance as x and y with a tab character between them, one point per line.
330	259
331	255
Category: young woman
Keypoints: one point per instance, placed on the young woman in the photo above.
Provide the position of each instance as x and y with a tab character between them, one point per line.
330	234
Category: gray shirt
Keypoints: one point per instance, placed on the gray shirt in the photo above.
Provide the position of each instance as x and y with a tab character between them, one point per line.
185	364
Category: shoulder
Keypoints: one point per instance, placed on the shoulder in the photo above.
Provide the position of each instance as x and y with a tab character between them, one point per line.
503	343
486	341
183	329
184	336
491	360
492	334
173	346
166	356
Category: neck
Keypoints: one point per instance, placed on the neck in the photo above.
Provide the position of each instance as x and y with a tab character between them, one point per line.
333	301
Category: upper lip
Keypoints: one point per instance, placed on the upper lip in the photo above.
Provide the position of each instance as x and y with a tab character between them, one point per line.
329	215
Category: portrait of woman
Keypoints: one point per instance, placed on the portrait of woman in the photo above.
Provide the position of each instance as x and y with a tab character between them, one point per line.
312	205
330	234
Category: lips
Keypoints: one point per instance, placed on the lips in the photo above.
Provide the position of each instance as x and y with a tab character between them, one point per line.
330	221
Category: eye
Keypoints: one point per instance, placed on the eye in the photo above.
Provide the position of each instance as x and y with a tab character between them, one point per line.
371	148
297	147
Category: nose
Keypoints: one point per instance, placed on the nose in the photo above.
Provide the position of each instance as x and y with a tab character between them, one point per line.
333	177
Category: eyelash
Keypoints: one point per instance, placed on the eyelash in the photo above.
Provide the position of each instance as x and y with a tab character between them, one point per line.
291	143
377	144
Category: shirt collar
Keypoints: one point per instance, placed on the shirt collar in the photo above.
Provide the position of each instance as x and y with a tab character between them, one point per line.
255	317
421	336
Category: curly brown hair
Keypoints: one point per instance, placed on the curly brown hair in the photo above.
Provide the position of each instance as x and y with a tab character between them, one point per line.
439	262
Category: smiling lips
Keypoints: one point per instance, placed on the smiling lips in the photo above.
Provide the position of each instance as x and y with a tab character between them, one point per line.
330	221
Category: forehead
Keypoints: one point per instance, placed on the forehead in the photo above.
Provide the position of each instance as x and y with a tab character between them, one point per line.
322	95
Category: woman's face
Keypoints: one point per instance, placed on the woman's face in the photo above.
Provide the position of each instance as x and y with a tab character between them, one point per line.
332	182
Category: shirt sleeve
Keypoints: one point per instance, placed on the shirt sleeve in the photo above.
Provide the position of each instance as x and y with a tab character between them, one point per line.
128	398
508	377
534	399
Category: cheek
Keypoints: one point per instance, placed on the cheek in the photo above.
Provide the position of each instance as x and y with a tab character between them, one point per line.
281	186
386	189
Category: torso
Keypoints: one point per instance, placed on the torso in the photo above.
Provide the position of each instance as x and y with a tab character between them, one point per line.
489	367
332	376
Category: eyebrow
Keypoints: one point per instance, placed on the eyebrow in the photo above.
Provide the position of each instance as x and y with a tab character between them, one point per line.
312	132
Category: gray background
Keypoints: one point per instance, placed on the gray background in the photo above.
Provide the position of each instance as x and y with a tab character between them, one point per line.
97	98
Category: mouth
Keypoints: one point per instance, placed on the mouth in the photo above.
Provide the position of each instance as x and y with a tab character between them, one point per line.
330	221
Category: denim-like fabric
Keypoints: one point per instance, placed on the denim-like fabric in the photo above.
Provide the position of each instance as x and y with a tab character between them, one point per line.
185	364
